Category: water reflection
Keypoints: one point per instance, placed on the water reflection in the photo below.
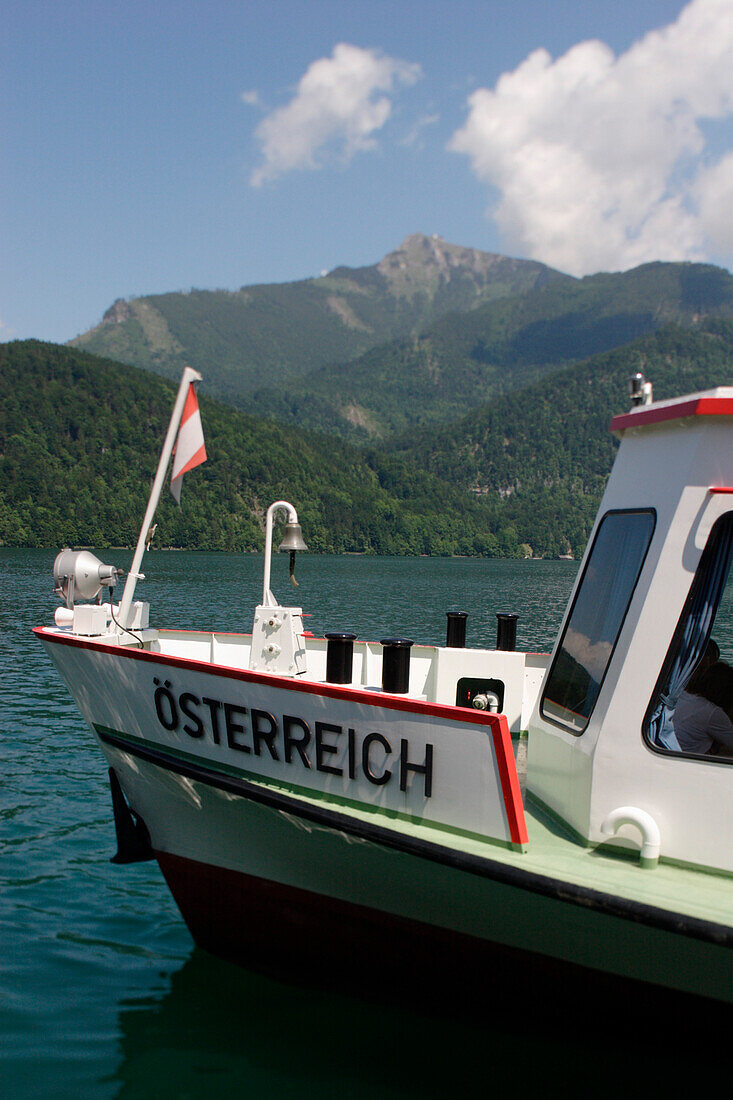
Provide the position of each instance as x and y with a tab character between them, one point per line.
222	1031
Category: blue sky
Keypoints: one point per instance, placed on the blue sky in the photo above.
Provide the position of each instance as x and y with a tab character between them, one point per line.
148	147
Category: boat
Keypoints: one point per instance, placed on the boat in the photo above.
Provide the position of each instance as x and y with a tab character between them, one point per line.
323	805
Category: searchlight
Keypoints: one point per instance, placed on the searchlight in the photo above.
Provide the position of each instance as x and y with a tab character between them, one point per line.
78	574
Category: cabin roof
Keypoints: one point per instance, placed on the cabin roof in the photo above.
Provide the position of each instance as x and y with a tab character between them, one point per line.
716	402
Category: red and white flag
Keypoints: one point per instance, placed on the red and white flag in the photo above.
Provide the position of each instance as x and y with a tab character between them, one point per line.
189	450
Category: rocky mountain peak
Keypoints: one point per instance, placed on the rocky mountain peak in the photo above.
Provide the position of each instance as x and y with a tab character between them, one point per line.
118	313
421	262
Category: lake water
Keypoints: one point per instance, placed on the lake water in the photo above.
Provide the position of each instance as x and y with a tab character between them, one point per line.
102	993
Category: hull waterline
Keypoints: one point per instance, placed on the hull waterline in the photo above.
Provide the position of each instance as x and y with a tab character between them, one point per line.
287	888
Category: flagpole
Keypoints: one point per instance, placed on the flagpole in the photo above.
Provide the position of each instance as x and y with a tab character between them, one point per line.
189	375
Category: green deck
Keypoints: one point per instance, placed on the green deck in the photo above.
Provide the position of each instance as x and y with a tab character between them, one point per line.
555	854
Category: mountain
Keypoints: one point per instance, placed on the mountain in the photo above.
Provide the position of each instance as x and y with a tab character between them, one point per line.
79	444
464	360
430	332
539	458
273	334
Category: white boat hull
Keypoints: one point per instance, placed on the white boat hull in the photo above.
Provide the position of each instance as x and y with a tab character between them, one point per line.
270	889
293	880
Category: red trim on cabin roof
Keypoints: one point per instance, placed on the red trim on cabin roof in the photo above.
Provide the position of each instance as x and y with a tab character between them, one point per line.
721	489
651	414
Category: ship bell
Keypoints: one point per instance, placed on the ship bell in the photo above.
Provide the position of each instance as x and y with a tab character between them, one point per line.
293	538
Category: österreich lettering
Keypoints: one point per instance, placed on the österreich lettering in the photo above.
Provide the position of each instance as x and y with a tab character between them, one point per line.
290	740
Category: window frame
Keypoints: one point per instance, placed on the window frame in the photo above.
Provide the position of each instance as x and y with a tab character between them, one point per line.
554	719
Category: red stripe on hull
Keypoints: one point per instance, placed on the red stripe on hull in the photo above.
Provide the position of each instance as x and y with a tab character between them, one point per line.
301	937
288	683
292	933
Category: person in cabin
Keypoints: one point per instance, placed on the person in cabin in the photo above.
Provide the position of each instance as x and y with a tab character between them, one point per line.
709	657
702	718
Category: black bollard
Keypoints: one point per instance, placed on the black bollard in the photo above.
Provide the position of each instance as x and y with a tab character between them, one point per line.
455	637
506	630
339	657
396	665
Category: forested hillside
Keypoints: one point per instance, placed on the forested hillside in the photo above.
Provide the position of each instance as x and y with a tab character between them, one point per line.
79	444
80	437
466	359
540	458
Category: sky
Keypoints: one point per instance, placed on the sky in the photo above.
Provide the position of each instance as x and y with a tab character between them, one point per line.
148	147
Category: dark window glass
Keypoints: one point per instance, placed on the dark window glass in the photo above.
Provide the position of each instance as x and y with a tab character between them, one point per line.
692	707
595	622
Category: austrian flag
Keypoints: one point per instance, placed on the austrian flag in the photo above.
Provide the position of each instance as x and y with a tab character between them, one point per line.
189	450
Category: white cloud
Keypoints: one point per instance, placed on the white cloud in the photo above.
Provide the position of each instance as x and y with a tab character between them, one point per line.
597	159
714	194
414	137
251	98
340	103
594	657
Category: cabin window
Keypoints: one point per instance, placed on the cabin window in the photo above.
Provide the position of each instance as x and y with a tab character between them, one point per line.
692	708
599	609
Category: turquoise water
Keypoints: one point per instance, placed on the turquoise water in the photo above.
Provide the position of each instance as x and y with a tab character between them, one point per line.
102	993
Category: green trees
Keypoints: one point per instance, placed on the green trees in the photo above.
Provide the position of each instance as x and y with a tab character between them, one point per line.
80	439
79	444
466	359
539	457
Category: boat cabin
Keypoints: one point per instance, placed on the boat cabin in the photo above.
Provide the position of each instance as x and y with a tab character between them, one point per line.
603	755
